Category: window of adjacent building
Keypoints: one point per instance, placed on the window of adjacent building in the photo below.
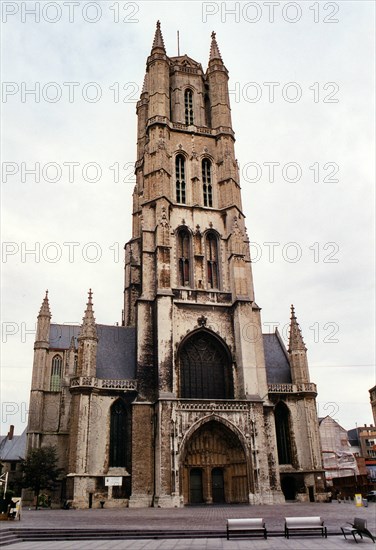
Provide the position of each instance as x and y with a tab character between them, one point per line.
184	253
282	426
188	104
56	373
205	368
118	432
207	183
180	179
211	251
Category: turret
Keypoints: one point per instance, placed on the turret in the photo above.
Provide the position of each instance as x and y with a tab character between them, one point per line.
42	337
298	352
87	342
217	76
158	77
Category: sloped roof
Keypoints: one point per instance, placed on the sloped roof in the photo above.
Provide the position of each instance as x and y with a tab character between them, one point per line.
116	353
276	360
13	449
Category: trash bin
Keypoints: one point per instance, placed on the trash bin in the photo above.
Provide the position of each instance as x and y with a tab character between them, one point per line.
365	502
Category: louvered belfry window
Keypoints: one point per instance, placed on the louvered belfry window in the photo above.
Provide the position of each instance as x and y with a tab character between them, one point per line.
180	179
188	104
211	250
184	253
207	183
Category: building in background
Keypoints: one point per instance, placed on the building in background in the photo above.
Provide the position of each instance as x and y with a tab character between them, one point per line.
12	453
338	458
187	401
363	443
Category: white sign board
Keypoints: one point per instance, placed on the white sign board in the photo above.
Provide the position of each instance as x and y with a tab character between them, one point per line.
112	481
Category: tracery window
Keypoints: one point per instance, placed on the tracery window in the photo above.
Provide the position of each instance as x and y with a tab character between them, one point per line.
188	104
282	427
207	183
180	179
118	442
56	373
205	368
211	251
184	254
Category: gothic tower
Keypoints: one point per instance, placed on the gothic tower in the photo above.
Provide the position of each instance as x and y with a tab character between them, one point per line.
202	383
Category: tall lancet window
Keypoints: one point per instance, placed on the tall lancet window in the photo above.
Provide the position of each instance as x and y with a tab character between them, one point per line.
184	253
211	250
56	373
282	427
118	441
180	178
206	183
188	104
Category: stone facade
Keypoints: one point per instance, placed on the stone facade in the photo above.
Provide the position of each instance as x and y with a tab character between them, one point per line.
187	401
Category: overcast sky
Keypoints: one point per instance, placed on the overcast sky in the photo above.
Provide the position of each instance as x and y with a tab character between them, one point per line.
301	81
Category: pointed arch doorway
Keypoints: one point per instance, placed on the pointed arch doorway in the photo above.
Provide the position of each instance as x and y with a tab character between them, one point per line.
214	467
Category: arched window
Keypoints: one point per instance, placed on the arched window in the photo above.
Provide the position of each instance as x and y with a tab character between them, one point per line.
211	250
207	183
56	373
205	368
282	427
184	253
118	442
180	178
188	104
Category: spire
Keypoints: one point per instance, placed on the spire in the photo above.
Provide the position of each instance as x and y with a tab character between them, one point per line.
88	328
296	342
45	307
145	85
158	38
214	50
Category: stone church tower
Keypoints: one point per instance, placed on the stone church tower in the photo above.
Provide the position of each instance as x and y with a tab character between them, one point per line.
187	401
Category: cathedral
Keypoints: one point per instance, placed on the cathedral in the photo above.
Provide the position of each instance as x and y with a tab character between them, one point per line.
187	401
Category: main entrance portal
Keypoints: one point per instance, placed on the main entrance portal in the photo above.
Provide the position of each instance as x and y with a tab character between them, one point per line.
214	468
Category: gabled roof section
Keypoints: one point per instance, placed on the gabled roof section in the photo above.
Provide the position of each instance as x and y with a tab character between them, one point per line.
277	363
116	351
13	449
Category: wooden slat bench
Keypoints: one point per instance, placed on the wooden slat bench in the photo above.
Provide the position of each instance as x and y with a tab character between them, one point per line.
246	526
304	525
359	527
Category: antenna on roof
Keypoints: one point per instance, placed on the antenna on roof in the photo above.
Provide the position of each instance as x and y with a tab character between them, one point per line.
178	44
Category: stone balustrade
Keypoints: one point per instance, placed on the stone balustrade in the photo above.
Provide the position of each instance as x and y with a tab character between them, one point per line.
293	388
103	383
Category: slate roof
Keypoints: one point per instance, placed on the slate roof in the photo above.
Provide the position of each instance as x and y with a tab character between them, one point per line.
276	359
116	354
13	449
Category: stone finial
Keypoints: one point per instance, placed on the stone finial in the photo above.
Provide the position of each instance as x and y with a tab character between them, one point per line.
88	327
296	342
158	38
45	307
214	50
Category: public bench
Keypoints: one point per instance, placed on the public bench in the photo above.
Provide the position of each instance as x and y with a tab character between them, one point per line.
246	526
359	527
304	525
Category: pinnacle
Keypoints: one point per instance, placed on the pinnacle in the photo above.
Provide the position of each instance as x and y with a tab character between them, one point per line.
45	307
296	342
88	327
214	50
158	38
